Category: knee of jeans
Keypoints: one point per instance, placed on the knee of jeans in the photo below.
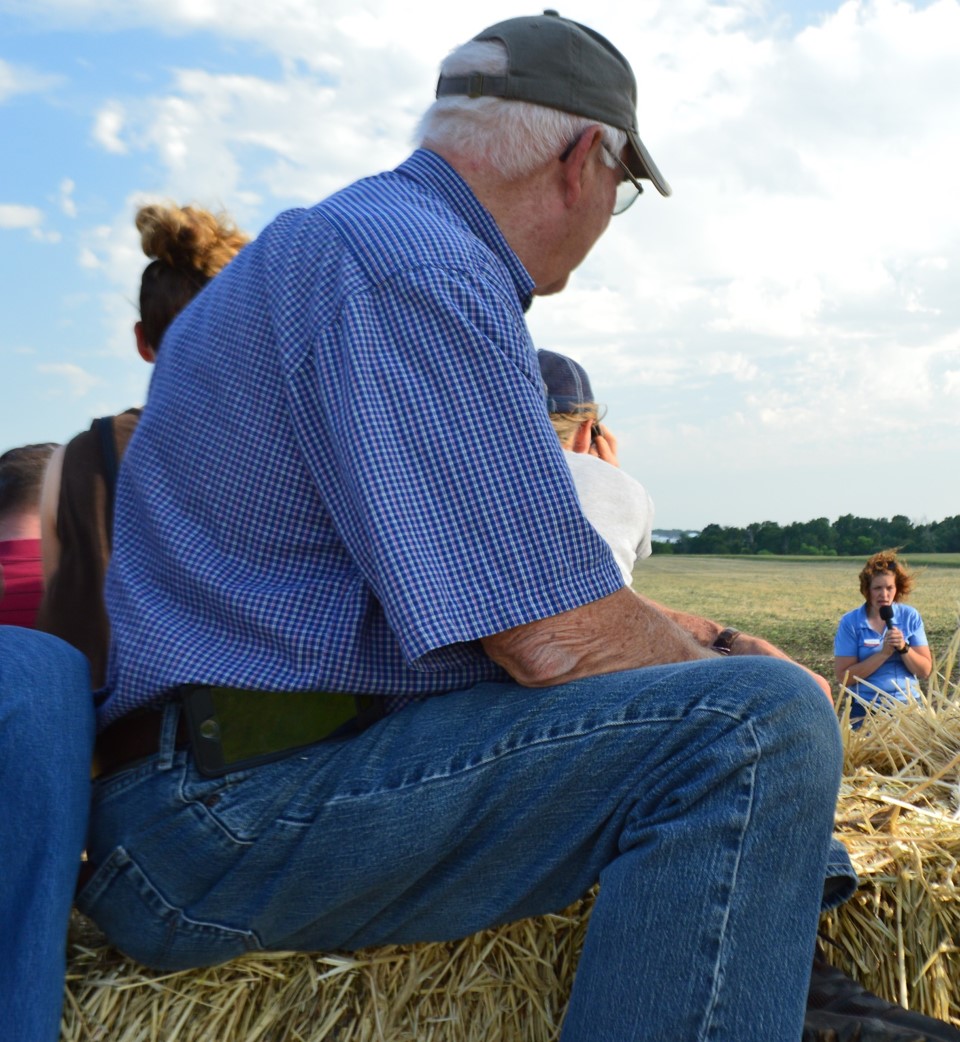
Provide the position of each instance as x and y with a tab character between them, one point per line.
795	707
47	716
46	682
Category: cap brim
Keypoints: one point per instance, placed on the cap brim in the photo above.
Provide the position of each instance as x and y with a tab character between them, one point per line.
642	164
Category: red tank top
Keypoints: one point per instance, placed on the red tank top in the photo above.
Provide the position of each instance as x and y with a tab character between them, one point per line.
22	570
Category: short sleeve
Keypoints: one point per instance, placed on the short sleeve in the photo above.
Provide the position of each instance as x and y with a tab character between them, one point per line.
645	546
439	467
916	634
845	642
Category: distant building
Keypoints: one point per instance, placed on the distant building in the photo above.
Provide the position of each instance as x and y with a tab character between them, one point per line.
672	535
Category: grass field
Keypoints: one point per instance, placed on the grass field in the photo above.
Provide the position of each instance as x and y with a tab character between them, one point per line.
795	602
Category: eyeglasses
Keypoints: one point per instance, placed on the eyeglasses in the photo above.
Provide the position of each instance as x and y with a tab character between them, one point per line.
628	188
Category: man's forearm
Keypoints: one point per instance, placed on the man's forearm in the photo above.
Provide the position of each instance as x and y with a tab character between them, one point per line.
704	631
622	631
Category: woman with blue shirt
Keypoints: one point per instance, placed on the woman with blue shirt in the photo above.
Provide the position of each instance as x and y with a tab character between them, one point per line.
881	647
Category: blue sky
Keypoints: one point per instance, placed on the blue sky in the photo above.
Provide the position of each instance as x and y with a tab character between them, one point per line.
778	340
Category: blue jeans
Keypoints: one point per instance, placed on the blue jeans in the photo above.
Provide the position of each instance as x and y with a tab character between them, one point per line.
46	740
701	796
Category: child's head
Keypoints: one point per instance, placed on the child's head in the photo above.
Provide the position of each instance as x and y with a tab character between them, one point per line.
569	394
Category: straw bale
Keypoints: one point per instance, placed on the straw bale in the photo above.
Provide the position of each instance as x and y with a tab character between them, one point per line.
898	814
506	984
899	817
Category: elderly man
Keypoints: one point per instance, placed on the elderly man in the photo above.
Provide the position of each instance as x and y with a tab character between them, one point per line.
319	519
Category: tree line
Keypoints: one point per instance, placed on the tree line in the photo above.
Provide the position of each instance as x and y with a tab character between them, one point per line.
848	536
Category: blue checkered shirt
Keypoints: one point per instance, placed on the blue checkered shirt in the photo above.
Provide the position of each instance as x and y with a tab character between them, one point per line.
345	473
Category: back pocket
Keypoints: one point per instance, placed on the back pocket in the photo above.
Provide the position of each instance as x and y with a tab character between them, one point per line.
142	924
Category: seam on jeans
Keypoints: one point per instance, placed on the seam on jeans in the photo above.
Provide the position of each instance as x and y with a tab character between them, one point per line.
473	764
200	796
708	1021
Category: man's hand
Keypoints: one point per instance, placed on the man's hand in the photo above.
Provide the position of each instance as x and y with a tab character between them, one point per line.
706	631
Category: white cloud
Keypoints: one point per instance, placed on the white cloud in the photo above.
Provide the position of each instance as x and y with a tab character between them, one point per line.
325	38
296	138
108	126
18	80
70	379
773	308
735	365
114	248
30	218
14	216
67	204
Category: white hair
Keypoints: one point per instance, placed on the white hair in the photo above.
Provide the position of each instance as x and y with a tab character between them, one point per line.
514	137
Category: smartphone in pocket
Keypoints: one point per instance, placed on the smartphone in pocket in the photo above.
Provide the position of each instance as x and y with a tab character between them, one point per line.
232	729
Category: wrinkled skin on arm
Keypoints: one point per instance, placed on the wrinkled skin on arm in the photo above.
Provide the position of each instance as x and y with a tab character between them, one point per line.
622	631
617	632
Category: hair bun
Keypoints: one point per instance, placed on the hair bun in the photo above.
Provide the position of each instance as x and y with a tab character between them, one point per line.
188	239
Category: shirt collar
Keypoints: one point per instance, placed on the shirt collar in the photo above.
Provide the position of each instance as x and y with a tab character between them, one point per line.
434	172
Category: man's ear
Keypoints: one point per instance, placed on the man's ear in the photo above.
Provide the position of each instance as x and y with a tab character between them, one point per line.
575	165
581	439
144	348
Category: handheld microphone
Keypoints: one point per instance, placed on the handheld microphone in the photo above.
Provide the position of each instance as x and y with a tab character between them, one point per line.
886	614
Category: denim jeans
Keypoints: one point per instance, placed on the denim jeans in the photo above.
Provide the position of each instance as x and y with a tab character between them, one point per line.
46	740
701	795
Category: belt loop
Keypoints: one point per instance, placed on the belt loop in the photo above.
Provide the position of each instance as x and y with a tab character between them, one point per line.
168	735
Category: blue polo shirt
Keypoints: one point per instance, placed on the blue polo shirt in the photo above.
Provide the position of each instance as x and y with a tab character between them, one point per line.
856	637
345	474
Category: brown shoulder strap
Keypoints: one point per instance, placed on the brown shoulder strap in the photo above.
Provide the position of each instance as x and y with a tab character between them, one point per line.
108	459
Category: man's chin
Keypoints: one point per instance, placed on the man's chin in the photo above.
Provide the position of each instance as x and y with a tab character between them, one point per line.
551	287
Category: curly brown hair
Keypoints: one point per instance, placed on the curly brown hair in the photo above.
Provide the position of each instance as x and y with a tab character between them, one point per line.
881	564
188	246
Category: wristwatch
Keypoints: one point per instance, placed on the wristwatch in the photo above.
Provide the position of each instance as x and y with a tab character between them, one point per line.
904	649
723	645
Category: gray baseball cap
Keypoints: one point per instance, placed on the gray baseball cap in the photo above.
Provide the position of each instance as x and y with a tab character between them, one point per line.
561	64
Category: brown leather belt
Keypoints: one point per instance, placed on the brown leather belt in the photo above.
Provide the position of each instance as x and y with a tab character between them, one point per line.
132	738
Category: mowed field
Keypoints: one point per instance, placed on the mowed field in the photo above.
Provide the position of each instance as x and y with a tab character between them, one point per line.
795	602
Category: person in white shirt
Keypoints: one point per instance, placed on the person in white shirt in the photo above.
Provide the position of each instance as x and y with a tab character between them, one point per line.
617	506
